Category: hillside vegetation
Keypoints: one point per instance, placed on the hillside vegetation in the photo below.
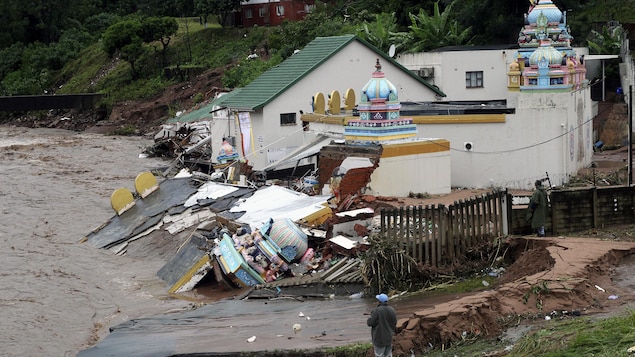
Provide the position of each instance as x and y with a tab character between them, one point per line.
99	56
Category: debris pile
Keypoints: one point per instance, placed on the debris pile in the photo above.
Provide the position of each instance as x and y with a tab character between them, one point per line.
261	237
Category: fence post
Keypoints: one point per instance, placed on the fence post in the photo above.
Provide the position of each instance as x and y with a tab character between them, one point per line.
382	223
594	204
478	209
421	226
443	233
488	216
401	228
449	233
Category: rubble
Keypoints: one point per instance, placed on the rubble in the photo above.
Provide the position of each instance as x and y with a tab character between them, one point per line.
267	237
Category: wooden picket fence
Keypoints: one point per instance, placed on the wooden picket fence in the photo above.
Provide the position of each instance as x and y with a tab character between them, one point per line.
441	235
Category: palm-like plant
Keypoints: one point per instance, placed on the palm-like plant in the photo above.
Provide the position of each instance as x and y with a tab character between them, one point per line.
381	32
439	30
607	42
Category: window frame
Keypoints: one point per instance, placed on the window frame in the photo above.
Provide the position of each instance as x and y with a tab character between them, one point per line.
288	119
472	79
280	10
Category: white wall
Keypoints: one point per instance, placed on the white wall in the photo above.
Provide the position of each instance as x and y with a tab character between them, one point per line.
550	133
422	173
450	68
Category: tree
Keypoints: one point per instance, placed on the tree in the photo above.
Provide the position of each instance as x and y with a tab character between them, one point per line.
222	9
439	30
125	36
607	42
291	36
381	33
159	29
492	21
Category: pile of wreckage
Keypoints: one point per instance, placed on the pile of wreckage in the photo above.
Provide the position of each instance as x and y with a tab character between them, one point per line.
265	237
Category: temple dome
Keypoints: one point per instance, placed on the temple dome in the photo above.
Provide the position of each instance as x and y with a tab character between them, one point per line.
546	7
380	88
547	52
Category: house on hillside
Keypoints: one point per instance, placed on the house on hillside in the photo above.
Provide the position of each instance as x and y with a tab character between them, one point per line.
273	12
263	118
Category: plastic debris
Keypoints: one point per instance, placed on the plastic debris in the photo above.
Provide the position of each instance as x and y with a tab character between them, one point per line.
301	314
251	339
357	295
631	349
547	318
600	288
485	283
613	297
296	328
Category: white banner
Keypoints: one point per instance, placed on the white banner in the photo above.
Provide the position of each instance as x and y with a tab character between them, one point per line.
244	120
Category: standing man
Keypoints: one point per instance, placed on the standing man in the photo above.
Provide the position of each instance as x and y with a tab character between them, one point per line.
538	209
383	323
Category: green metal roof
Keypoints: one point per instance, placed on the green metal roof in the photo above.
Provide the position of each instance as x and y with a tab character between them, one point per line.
275	81
203	112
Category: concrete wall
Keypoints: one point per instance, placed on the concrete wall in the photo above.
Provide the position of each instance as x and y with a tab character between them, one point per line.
550	133
422	173
450	68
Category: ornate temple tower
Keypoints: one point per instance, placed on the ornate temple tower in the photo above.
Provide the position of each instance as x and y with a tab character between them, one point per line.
379	119
545	60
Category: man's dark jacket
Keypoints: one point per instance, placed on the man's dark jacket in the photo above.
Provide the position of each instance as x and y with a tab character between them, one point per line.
383	321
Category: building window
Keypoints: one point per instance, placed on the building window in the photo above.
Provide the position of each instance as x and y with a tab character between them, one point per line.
280	10
287	119
261	11
248	13
474	79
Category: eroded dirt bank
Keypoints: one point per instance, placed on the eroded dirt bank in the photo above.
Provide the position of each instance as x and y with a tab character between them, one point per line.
557	276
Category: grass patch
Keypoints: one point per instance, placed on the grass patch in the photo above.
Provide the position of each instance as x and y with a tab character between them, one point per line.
79	75
583	336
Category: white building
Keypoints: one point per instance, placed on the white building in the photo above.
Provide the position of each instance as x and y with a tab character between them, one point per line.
500	133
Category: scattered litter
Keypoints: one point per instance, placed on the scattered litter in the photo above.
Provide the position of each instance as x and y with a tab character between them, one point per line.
296	328
251	339
301	314
357	295
485	283
631	350
613	297
547	318
600	288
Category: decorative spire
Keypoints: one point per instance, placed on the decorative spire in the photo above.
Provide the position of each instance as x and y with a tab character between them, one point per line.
377	66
